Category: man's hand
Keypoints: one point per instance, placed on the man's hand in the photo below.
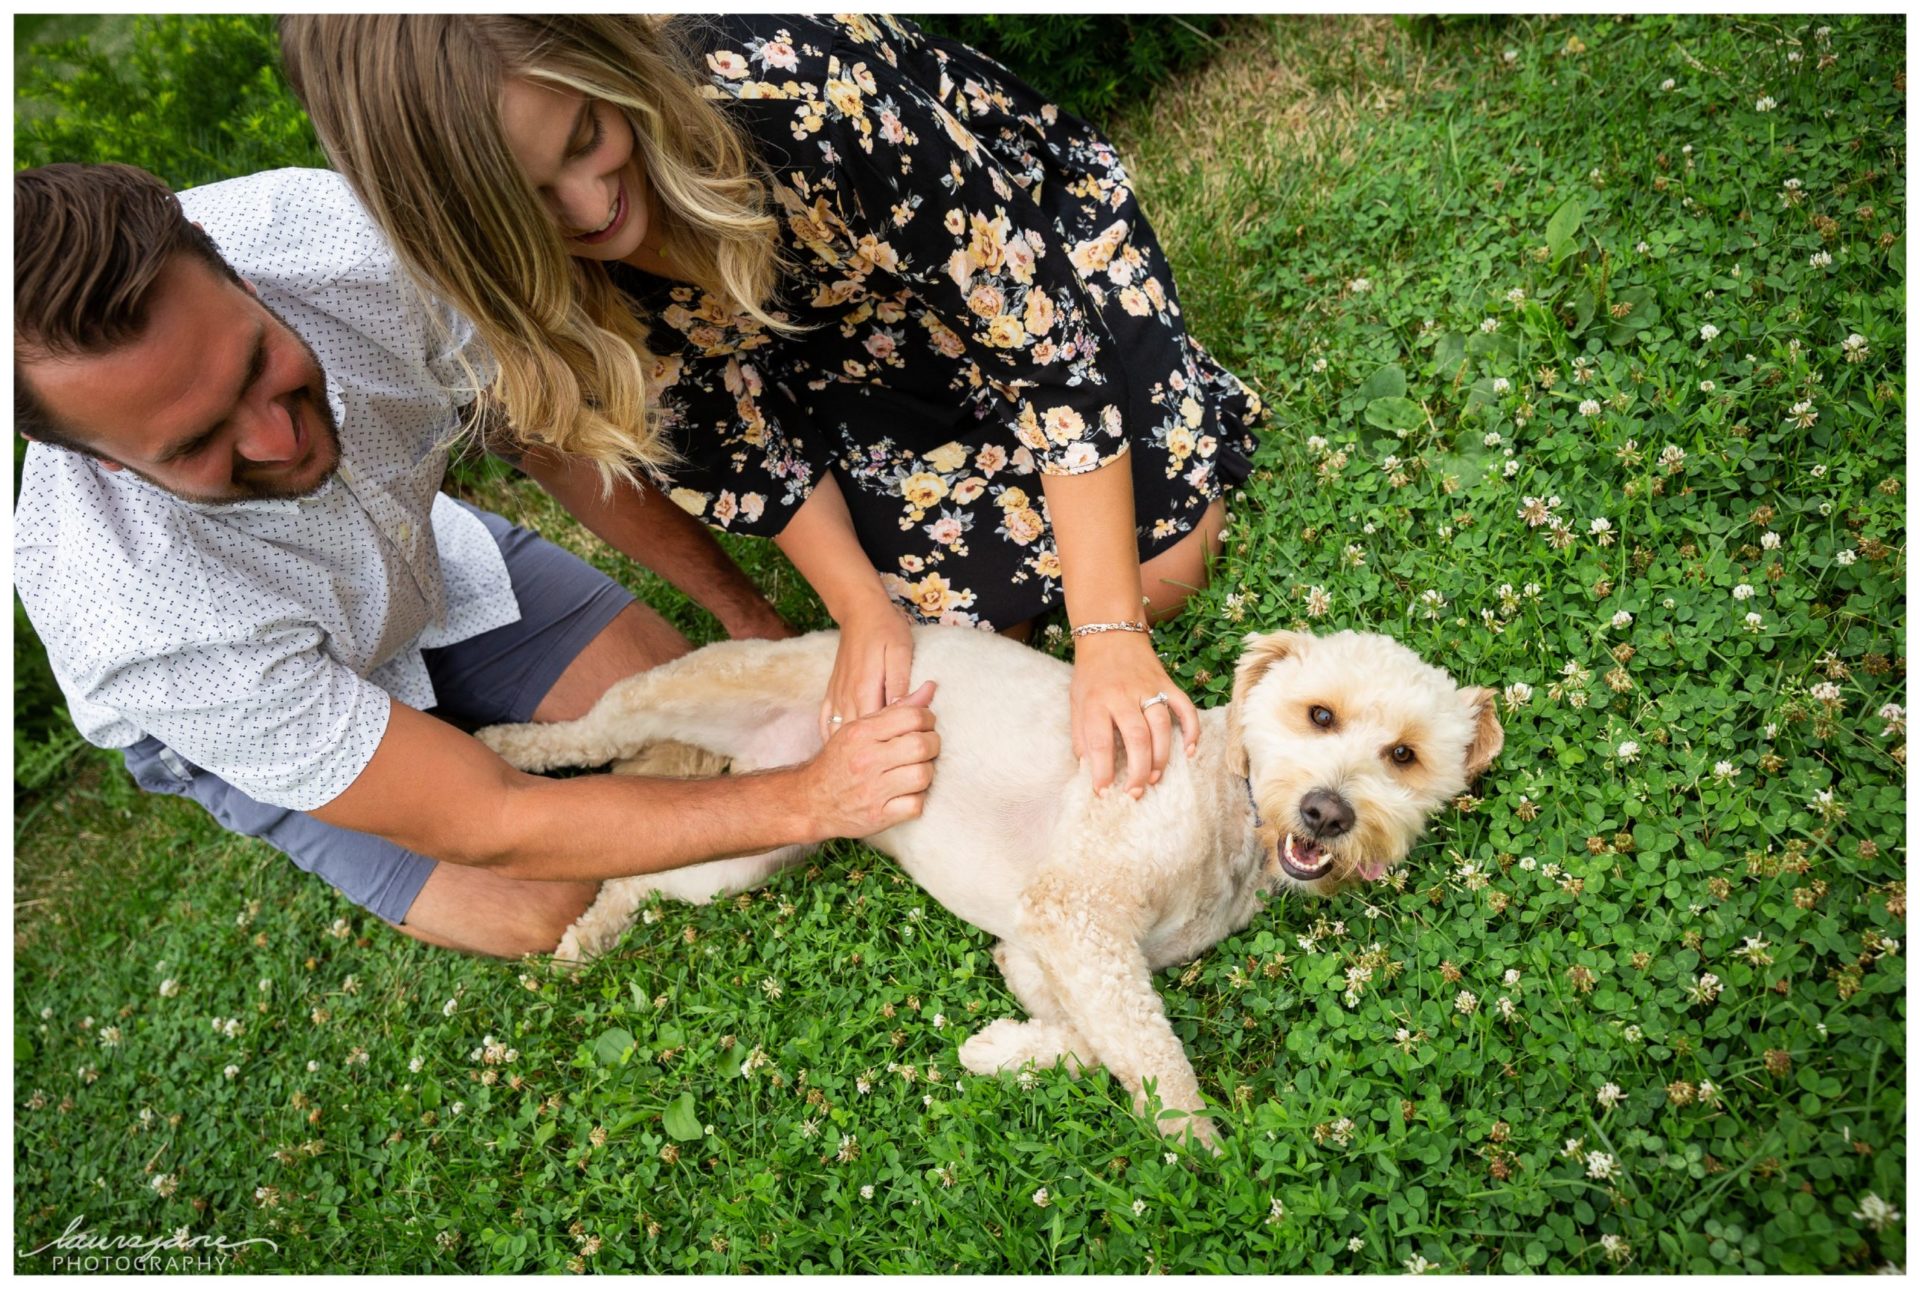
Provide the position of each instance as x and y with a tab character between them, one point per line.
874	772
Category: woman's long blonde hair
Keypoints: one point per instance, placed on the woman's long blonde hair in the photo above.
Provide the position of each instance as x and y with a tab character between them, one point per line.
408	108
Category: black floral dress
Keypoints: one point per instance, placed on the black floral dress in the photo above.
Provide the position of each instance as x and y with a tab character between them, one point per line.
983	301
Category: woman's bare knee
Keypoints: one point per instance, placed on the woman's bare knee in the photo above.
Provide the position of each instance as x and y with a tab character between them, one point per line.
1172	576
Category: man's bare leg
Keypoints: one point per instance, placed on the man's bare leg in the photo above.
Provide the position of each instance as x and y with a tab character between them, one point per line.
476	911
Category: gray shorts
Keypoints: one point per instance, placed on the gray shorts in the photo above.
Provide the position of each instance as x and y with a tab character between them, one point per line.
499	675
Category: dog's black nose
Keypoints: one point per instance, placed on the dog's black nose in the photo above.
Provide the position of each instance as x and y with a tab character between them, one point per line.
1326	814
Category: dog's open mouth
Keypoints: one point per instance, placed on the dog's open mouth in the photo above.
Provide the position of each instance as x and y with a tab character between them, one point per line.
1304	860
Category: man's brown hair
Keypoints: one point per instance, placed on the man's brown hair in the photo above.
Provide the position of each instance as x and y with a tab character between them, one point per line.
88	242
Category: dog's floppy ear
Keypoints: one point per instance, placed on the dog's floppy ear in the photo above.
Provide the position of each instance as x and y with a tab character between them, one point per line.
1260	653
1488	737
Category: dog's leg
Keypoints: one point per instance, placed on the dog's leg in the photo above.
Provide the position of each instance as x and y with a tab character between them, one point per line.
1084	938
1045	1040
752	701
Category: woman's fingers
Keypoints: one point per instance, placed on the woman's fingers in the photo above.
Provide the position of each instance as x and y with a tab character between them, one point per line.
1160	728
897	669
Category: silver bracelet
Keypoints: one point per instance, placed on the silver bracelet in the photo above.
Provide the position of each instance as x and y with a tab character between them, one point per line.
1095	628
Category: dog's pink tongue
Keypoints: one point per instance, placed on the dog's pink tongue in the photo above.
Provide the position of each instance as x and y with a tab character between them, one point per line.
1373	869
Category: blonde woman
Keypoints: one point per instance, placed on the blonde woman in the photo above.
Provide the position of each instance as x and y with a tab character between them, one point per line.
830	281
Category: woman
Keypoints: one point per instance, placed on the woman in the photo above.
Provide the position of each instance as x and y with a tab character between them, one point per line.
829	281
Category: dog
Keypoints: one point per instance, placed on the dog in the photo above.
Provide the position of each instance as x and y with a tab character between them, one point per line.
1320	772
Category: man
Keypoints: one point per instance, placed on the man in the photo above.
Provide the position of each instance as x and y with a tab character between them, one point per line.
231	539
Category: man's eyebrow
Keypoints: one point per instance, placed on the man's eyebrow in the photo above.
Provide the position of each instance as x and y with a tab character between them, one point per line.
256	363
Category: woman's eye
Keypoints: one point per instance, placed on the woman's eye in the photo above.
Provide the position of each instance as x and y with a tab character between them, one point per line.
1403	755
593	139
1320	716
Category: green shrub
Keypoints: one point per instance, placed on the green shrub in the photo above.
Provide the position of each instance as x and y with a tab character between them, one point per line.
1089	64
193	98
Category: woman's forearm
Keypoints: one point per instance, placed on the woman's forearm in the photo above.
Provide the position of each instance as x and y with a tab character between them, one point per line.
820	541
1092	516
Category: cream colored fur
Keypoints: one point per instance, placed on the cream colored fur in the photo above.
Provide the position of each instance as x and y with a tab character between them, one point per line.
1088	895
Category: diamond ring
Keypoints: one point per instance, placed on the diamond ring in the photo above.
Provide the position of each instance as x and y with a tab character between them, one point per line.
1155	701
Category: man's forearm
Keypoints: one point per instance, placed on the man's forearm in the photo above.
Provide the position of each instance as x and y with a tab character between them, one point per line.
642	524
444	794
602	826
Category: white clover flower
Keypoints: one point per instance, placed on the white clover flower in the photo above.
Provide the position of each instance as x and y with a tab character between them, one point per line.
1589	407
1825	692
1528	863
1628	751
231	1071
1609	1095
417	1064
457	1108
1505	1006
1139	1207
1709	331
1517	296
1600	1165
1616	1249
164	1183
1707	387
1753	621
1622	619
1770	540
450	1008
1764	103
1510	469
1418	1266
1518	693
1666	86
1489	325
1466	1003
168	988
1854	347
1725	771
1705	988
1876	1212
1643	247
1708	1093
1820	260
1500	386
1389	465
866	1192
1356	1244
1319	364
1845	557
1743	592
1360	285
1316	444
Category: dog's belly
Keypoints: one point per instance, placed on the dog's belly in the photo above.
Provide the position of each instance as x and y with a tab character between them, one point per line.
1006	758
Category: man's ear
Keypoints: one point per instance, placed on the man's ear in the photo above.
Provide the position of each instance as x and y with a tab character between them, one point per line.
1488	737
1256	659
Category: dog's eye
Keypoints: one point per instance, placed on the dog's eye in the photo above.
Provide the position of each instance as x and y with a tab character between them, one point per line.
1403	755
1320	716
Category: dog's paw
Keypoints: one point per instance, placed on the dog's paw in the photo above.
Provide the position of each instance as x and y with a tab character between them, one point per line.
1000	1046
520	746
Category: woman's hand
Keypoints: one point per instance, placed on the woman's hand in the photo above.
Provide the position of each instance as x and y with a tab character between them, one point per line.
871	668
1113	673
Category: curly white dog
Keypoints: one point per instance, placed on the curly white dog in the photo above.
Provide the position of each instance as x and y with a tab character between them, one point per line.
1320	772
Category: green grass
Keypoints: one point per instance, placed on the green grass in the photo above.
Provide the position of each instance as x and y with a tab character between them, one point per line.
625	1136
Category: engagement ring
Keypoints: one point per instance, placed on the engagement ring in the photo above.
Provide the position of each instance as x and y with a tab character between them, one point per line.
1157	699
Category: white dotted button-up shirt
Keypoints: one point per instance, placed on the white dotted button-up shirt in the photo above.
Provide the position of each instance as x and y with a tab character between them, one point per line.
261	640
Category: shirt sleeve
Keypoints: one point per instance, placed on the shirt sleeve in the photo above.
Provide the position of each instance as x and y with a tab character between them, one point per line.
922	200
275	715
